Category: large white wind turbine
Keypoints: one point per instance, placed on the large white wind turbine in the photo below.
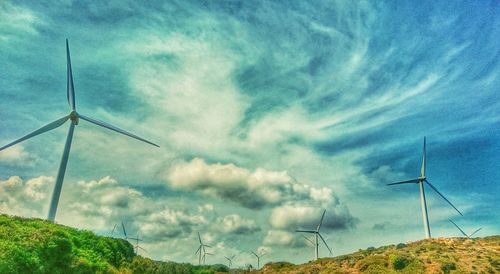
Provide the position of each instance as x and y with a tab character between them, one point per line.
467	236
74	117
201	248
316	235
420	181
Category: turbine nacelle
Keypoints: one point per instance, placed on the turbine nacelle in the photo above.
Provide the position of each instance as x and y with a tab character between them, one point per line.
73	116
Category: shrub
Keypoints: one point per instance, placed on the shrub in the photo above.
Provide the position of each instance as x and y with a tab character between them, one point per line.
446	267
398	262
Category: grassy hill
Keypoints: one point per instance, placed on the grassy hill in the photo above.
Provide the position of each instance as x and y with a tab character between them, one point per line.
38	246
440	255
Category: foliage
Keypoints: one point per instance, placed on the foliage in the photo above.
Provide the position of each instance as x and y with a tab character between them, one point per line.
38	246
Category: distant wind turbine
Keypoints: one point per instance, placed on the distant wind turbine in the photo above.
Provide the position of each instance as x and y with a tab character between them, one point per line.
136	246
316	235
201	248
258	258
74	117
467	236
420	181
230	260
137	240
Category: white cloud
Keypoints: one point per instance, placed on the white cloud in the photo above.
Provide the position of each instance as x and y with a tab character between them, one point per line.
283	238
255	189
305	216
16	153
235	224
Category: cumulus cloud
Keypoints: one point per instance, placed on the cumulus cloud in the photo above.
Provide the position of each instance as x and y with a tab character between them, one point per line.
284	238
293	216
97	204
235	224
25	198
251	189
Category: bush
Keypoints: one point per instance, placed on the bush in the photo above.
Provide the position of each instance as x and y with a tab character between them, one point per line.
446	267
398	262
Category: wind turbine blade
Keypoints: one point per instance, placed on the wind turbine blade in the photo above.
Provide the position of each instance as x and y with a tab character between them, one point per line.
435	189
199	238
57	123
198	250
307	239
321	221
413	181
475	232
422	170
60	174
111	127
113	230
306	231
459	228
325	243
124	232
227	258
255	254
70	87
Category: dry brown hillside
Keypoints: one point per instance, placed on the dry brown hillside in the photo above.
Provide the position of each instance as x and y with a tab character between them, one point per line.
440	255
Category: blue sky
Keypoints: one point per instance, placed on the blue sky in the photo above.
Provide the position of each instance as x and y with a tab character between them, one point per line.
266	113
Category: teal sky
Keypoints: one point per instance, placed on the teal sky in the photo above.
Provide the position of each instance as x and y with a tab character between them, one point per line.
266	113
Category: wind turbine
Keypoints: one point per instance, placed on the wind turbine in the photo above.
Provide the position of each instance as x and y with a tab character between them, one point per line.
137	240
204	256
230	260
258	258
468	236
75	118
201	249
136	246
316	235
420	181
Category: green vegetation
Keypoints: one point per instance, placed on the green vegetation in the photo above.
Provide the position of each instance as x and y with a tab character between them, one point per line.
38	246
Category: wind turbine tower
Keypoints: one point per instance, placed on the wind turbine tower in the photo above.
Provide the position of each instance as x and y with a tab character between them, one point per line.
316	236
74	118
421	182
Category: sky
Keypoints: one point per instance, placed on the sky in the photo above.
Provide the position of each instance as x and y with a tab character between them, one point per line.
266	114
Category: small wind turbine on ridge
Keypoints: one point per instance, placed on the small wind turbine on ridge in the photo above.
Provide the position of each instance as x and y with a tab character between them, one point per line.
201	248
463	233
230	260
421	182
258	258
75	117
316	235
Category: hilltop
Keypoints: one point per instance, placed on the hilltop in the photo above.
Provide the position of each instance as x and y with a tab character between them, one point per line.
38	246
439	255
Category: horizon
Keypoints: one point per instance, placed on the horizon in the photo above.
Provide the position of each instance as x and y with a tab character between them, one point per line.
266	114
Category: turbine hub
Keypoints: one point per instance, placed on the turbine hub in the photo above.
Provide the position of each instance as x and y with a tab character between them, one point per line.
74	117
422	178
